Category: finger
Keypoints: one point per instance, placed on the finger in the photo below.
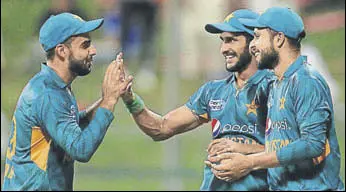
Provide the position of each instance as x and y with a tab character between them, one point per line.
220	167
128	88
109	72
217	175
224	150
119	56
126	83
208	163
213	159
117	74
216	148
219	157
122	69
215	172
224	156
212	143
228	179
228	173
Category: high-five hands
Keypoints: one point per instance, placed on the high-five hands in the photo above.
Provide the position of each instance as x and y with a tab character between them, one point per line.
126	93
115	83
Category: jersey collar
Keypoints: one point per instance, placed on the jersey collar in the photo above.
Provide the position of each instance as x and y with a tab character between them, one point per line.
53	76
258	76
295	66
254	79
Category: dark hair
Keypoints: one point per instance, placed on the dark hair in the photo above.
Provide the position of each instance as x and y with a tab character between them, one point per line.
51	52
294	43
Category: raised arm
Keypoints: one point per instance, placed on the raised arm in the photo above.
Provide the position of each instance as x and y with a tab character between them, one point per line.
159	127
60	122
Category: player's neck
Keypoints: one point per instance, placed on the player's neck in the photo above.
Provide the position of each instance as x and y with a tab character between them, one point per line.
286	59
61	70
244	76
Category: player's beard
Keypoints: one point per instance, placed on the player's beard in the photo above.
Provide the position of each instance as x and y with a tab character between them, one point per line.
79	67
269	59
243	63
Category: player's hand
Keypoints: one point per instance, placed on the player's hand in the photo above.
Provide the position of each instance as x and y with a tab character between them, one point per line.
222	145
127	93
230	166
115	83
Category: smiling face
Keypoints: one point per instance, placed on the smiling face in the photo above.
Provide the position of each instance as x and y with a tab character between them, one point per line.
262	47
235	49
81	54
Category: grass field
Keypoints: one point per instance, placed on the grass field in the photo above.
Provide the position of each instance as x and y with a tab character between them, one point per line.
127	159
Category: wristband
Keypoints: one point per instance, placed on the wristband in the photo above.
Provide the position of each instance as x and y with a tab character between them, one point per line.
136	106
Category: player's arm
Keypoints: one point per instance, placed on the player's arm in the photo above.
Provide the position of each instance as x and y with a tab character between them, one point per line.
87	114
313	114
159	127
61	126
60	122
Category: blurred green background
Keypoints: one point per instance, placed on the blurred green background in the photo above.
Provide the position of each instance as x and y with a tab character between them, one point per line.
127	159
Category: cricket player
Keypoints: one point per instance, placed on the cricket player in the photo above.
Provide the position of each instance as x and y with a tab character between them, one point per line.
45	136
301	148
235	106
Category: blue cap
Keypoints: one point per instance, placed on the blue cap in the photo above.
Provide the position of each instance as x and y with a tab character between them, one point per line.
59	28
234	22
280	19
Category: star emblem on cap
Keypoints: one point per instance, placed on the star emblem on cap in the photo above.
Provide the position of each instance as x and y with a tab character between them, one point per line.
77	17
251	108
230	16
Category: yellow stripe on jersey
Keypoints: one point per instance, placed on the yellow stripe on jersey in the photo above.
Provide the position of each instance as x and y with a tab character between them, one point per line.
204	116
13	141
40	145
319	159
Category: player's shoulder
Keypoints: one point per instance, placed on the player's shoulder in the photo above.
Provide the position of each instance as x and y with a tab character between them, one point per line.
214	85
307	78
221	82
39	86
39	83
309	75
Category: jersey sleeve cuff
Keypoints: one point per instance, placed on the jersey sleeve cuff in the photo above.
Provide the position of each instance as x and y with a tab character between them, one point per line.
104	115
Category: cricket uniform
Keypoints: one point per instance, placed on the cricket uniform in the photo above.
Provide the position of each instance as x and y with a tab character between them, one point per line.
45	137
238	114
301	129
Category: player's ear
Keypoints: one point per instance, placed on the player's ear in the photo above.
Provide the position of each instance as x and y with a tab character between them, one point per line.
61	50
280	39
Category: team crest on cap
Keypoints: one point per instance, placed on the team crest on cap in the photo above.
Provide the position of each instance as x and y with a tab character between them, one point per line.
77	17
230	16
